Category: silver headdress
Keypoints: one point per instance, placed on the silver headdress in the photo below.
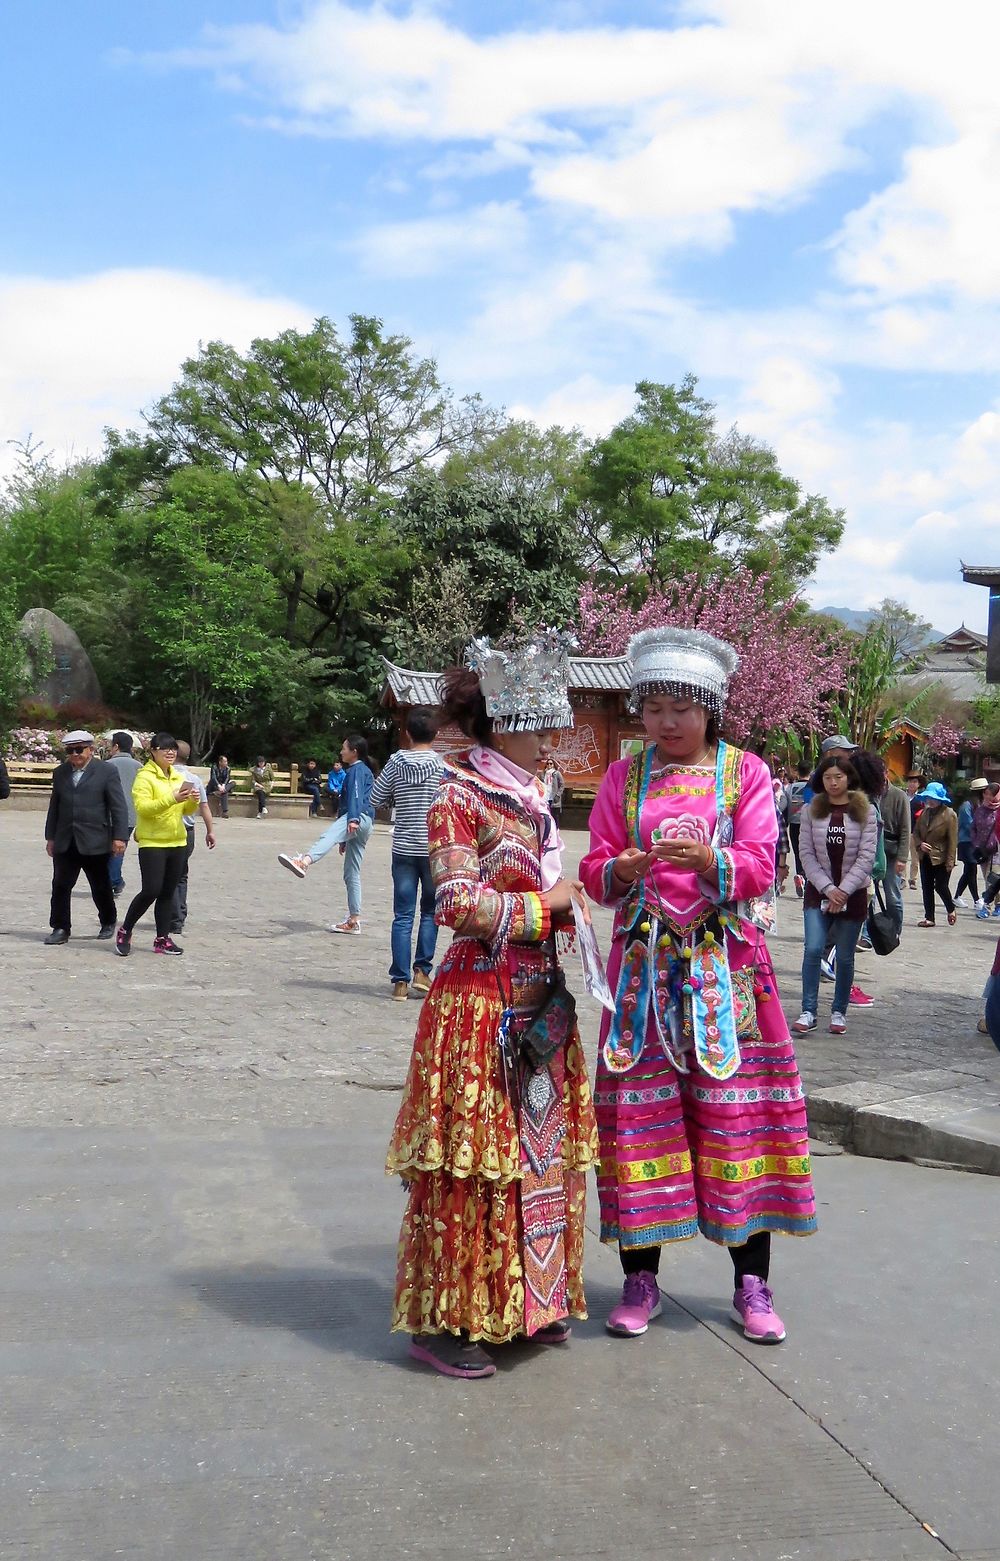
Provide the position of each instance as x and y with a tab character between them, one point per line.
686	663
525	688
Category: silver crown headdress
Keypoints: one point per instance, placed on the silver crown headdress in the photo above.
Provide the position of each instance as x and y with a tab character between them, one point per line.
525	688
687	663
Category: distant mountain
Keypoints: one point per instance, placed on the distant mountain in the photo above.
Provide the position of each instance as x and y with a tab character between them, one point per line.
851	618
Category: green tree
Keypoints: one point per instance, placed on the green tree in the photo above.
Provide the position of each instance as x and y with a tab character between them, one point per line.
518	553
351	418
50	531
14	672
522	460
666	494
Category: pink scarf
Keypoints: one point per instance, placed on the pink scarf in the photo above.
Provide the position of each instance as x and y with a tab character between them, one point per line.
492	766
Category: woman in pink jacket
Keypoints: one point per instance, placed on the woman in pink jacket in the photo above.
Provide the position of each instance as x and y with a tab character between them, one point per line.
838	840
699	1104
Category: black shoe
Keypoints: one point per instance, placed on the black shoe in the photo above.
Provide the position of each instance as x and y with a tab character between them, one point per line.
107	931
123	943
56	936
116	891
178	926
166	946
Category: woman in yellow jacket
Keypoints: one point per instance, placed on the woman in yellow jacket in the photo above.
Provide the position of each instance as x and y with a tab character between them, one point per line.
161	798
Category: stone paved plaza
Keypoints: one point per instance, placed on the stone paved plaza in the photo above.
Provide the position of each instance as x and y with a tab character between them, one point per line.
265	995
199	1245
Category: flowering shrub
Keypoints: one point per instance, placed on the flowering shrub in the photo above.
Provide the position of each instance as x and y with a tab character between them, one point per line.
39	745
788	671
33	744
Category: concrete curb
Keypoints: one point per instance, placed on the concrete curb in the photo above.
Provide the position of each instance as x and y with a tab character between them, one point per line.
931	1117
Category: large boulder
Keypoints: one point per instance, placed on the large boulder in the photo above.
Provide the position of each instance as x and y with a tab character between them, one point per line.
62	671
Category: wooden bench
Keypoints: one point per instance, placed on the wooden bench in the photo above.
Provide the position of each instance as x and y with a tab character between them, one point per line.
32	781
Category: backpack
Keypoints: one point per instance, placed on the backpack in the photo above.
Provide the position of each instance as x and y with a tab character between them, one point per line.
880	864
796	794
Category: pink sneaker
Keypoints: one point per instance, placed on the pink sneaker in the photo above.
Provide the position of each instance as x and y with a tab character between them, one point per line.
639	1304
859	999
753	1309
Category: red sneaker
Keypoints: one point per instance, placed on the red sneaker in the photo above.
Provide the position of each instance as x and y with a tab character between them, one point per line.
859	999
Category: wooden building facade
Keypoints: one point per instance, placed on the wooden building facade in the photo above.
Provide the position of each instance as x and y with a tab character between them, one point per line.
598	690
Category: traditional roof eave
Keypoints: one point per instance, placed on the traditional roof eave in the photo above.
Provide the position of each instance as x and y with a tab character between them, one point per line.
981	574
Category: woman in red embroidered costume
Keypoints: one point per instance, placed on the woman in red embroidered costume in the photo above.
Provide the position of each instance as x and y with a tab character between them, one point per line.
494	1152
699	1104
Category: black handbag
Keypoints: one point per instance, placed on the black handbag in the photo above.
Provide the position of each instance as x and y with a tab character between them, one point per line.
881	925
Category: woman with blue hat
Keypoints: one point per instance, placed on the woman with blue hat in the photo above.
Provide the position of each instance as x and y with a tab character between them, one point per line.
936	834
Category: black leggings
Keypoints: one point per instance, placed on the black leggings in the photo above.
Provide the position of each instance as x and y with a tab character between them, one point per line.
935	880
161	868
970	874
753	1257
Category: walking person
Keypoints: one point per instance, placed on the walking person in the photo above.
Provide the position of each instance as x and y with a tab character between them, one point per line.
86	824
966	849
555	788
799	792
895	809
4	782
985	846
162	796
937	840
128	767
409	783
221	783
261	783
838	841
913	785
492	1141
349	831
181	894
700	1108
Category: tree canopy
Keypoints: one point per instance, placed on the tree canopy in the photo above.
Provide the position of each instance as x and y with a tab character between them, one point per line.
666	493
290	513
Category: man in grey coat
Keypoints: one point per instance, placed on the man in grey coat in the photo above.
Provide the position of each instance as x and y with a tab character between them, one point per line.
894	806
128	767
87	821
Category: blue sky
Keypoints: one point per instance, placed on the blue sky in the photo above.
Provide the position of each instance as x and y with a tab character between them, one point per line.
554	200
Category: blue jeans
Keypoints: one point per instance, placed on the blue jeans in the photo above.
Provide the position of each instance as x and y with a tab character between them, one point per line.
115	864
352	864
334	836
314	789
819	926
410	874
892	888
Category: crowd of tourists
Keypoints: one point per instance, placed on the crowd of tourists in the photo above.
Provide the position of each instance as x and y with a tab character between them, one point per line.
696	1124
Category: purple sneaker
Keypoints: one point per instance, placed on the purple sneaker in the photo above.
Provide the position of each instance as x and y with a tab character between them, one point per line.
639	1304
753	1309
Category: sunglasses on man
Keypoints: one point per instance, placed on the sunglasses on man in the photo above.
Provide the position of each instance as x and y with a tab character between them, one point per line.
76	747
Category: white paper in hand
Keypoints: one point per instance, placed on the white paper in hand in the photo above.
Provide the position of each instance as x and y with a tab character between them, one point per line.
594	977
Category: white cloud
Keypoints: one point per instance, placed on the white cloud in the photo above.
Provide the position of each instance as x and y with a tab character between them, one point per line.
88	352
937	229
492	234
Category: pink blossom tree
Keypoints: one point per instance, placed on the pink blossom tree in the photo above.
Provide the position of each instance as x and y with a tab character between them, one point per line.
945	739
790	671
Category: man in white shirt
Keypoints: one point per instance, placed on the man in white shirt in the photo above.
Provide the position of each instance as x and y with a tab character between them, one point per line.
181	897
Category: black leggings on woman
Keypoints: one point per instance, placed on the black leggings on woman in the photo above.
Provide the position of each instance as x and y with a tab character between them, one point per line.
935	880
753	1257
161	868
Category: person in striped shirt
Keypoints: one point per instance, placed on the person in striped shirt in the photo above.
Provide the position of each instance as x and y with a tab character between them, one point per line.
409	783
